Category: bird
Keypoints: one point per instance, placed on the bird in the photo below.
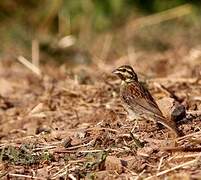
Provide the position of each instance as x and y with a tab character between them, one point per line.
138	101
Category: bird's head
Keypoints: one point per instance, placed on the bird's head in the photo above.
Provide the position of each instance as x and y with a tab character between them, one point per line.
126	73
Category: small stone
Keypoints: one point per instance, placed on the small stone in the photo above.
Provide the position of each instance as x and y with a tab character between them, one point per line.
136	163
67	142
165	104
113	163
42	172
178	113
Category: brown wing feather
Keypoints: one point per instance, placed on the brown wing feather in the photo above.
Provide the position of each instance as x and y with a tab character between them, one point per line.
137	94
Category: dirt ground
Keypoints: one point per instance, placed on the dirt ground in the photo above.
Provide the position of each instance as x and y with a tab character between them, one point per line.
69	123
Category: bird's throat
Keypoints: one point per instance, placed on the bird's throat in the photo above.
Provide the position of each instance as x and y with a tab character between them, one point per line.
126	81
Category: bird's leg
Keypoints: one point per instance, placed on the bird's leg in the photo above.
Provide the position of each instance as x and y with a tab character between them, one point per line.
133	117
135	125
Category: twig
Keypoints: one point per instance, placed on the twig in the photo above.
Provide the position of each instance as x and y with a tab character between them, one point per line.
189	135
187	156
77	161
44	148
133	173
25	176
70	149
60	172
72	177
35	52
99	129
29	65
172	169
139	175
182	149
93	151
82	145
160	163
194	112
160	17
81	151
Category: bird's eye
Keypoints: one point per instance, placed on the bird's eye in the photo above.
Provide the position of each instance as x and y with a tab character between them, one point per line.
123	70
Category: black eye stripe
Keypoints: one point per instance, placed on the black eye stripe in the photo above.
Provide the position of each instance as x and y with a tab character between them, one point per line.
129	70
122	69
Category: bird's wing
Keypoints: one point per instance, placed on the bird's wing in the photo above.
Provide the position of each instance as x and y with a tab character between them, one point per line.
136	94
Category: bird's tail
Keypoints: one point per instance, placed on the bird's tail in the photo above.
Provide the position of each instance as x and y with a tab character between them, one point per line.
170	125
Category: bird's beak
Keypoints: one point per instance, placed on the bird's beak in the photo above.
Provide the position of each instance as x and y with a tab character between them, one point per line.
115	71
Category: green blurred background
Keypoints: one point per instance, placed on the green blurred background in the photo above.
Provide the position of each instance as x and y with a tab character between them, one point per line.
89	25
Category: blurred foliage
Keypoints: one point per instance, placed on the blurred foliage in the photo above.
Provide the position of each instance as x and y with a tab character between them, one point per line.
102	13
22	20
158	5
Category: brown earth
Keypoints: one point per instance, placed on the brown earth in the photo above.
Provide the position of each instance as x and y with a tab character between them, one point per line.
69	123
